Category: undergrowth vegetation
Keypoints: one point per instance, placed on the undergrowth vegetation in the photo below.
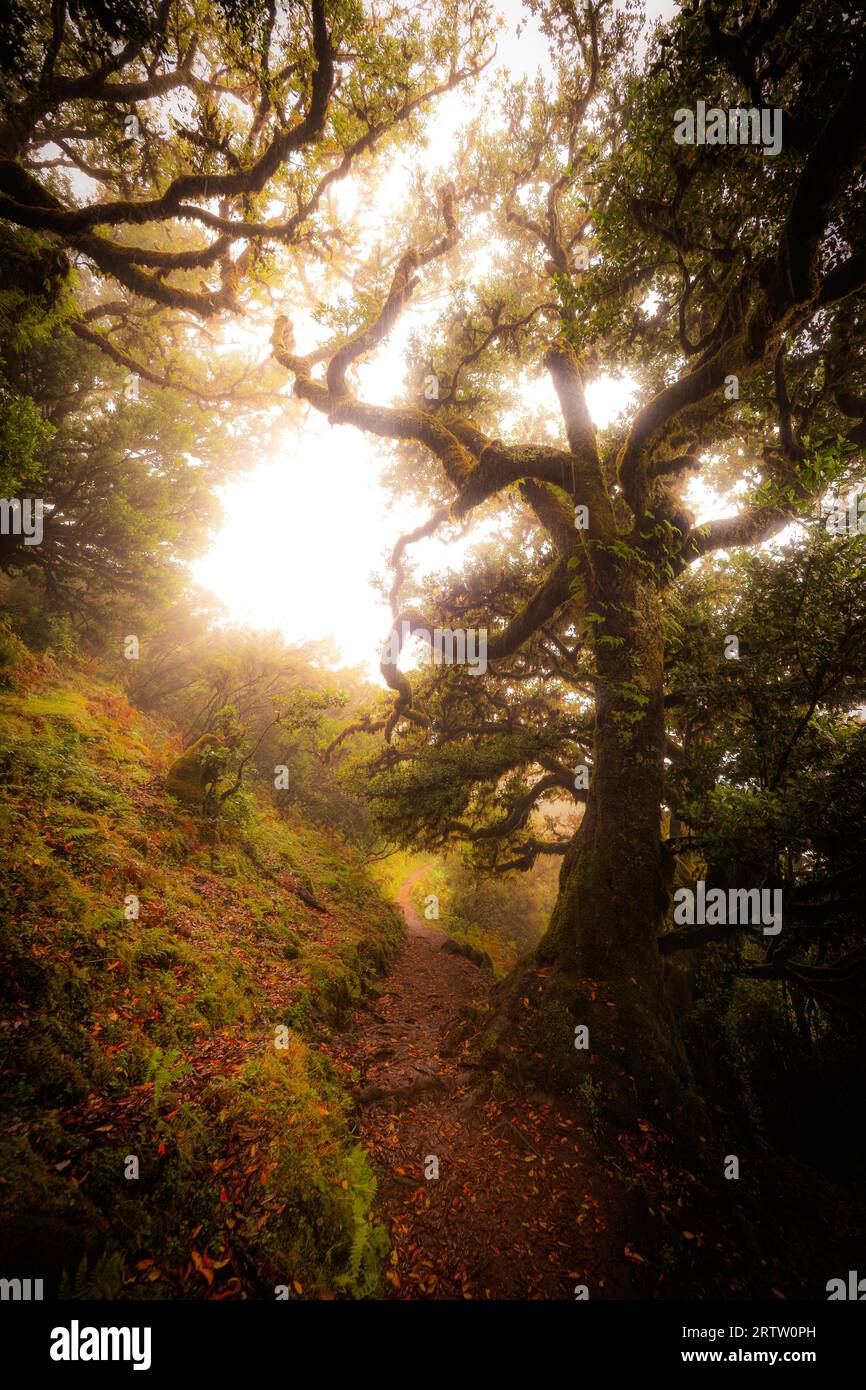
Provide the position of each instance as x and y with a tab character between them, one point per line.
166	1012
493	921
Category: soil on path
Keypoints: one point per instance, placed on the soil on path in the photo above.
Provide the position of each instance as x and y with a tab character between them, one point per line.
498	1192
487	1194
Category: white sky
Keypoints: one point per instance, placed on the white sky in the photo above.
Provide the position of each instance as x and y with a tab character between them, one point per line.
273	562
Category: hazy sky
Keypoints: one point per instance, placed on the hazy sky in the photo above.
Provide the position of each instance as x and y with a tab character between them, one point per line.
273	562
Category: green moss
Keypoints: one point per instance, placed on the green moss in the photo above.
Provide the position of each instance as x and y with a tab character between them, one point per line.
323	1235
457	946
531	1034
114	1013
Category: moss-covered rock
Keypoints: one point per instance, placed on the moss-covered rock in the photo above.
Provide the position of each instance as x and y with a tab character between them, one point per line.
190	775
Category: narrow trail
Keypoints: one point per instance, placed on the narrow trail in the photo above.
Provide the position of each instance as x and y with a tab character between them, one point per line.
518	1208
415	923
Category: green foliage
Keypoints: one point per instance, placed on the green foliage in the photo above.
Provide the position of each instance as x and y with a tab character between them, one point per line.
132	481
15	659
114	1011
34	298
496	920
779	1072
771	790
103	1281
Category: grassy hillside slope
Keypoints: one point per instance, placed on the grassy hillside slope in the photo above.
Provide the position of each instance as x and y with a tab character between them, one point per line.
189	1039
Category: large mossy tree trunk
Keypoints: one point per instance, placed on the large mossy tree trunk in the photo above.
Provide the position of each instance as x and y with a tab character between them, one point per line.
598	963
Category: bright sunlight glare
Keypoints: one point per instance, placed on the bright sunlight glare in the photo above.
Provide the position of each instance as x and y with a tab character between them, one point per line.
268	564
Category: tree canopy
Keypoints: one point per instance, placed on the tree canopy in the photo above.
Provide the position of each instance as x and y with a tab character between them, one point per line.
578	234
218	216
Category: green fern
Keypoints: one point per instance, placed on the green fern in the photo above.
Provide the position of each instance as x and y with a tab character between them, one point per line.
103	1281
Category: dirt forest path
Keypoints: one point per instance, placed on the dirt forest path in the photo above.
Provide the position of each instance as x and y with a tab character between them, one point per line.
415	923
517	1209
